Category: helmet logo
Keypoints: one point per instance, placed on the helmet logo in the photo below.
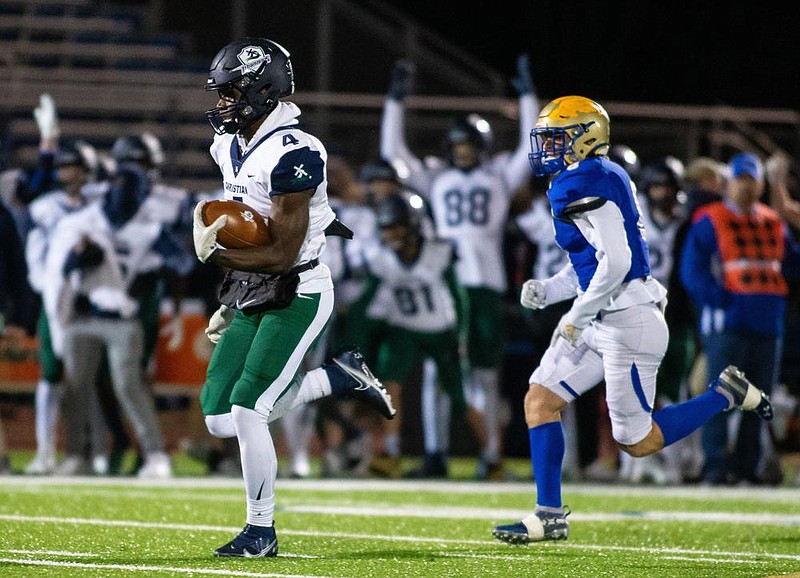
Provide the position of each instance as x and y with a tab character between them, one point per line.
248	216
252	58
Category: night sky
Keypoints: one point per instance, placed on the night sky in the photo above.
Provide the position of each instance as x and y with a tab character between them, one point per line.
741	53
738	53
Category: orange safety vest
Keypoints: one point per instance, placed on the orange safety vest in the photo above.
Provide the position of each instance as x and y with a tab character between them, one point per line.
751	248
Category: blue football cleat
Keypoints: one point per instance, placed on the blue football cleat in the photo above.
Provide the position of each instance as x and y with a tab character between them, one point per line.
537	527
252	542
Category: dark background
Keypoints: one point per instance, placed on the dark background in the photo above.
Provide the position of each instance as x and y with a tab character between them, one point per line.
739	53
742	53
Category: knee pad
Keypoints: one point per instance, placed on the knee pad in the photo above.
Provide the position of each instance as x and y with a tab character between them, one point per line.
220	426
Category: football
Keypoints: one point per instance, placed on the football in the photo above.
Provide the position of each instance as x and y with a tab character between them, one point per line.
245	227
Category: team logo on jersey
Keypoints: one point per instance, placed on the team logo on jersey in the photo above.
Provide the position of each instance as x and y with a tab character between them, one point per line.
248	216
252	59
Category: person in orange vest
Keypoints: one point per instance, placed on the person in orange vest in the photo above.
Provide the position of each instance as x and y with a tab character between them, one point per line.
733	265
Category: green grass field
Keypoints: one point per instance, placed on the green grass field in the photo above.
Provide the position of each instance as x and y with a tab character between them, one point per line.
120	527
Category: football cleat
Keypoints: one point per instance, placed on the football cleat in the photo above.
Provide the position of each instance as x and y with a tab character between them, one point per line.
157	465
252	542
365	387
742	394
41	466
537	527
74	465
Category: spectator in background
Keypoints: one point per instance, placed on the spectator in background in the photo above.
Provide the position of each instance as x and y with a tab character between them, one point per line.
13	285
703	183
470	200
96	260
74	163
736	254
412	278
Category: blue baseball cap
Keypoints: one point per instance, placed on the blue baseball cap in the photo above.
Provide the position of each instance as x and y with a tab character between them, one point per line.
746	164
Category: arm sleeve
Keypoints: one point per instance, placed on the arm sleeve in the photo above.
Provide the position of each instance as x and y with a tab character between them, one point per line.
35	255
393	142
561	286
518	167
44	177
695	266
604	228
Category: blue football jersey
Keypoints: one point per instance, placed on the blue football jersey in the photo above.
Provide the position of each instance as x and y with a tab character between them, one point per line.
597	177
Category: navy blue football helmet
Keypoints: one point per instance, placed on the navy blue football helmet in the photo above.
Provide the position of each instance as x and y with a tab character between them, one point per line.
250	75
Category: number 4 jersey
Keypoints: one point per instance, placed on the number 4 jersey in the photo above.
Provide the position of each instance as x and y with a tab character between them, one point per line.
416	296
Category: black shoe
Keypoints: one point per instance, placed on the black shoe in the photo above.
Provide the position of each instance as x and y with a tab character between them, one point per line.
742	394
252	542
365	387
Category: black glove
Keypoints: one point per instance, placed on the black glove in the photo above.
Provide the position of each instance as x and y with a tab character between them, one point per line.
402	79
522	82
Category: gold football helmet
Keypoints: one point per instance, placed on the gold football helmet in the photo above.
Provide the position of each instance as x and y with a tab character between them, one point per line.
568	130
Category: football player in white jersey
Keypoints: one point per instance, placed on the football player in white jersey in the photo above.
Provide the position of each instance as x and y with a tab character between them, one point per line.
615	328
254	376
73	163
470	198
413	282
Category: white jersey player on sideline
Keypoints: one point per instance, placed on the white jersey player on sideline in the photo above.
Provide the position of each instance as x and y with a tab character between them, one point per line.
470	199
96	259
74	163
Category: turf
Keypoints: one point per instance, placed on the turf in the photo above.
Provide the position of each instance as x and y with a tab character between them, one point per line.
108	527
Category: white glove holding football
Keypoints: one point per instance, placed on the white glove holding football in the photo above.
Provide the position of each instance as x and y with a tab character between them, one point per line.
205	237
173	331
533	294
46	117
219	322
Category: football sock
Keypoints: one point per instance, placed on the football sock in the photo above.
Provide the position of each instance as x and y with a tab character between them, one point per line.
48	408
259	464
547	453
313	386
435	409
489	381
338	379
391	444
679	420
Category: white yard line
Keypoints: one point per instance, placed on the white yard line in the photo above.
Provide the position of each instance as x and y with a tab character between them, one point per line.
173	569
394	538
769	494
715	560
489	514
